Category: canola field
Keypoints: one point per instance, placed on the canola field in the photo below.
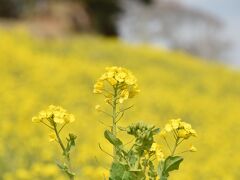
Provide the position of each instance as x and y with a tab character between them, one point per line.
38	72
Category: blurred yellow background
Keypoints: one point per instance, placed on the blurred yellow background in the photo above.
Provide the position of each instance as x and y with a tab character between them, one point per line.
38	72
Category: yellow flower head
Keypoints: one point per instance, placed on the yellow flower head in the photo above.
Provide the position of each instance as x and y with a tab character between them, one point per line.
98	87
163	133
54	114
121	81
192	149
180	128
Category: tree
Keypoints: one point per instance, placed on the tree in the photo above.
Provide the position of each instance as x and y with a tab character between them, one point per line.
10	8
175	26
104	14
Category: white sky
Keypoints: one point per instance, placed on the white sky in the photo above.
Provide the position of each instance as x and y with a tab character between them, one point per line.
229	12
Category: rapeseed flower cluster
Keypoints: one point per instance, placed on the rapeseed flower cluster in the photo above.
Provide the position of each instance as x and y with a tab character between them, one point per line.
179	128
53	115
121	80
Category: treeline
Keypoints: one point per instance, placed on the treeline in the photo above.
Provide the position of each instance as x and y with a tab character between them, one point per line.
102	13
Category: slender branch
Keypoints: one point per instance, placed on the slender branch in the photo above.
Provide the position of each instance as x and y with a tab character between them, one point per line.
62	127
183	152
58	138
175	146
65	153
105	113
120	117
180	141
174	134
122	110
47	125
104	123
108	91
128	142
105	151
167	144
131	148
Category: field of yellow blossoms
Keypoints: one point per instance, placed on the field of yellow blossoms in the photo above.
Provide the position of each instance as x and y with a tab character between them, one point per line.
36	73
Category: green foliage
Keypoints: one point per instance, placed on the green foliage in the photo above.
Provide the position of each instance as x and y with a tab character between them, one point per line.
131	164
120	171
152	174
70	142
144	136
64	167
112	139
168	165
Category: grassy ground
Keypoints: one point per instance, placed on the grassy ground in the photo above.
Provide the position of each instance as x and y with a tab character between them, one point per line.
36	72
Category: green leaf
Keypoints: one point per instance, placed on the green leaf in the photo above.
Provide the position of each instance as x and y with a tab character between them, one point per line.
152	173
133	161
112	139
120	171
128	175
122	128
170	164
161	168
65	168
62	166
117	171
70	142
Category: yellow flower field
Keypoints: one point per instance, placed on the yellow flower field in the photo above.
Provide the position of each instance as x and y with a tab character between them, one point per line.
38	72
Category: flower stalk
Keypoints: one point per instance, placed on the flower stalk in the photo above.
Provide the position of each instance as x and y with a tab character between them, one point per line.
137	161
117	85
54	117
114	120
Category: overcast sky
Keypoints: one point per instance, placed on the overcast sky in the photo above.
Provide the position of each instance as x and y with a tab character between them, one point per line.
229	12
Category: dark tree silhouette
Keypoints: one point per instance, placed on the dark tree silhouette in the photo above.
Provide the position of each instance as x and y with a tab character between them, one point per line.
104	14
10	8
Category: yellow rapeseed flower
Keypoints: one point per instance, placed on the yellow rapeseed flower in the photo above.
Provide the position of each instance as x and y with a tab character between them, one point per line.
36	119
192	149
122	81
54	114
163	133
182	129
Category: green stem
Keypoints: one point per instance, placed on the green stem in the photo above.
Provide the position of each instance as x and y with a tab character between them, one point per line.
58	138
175	146
71	176
65	154
114	122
